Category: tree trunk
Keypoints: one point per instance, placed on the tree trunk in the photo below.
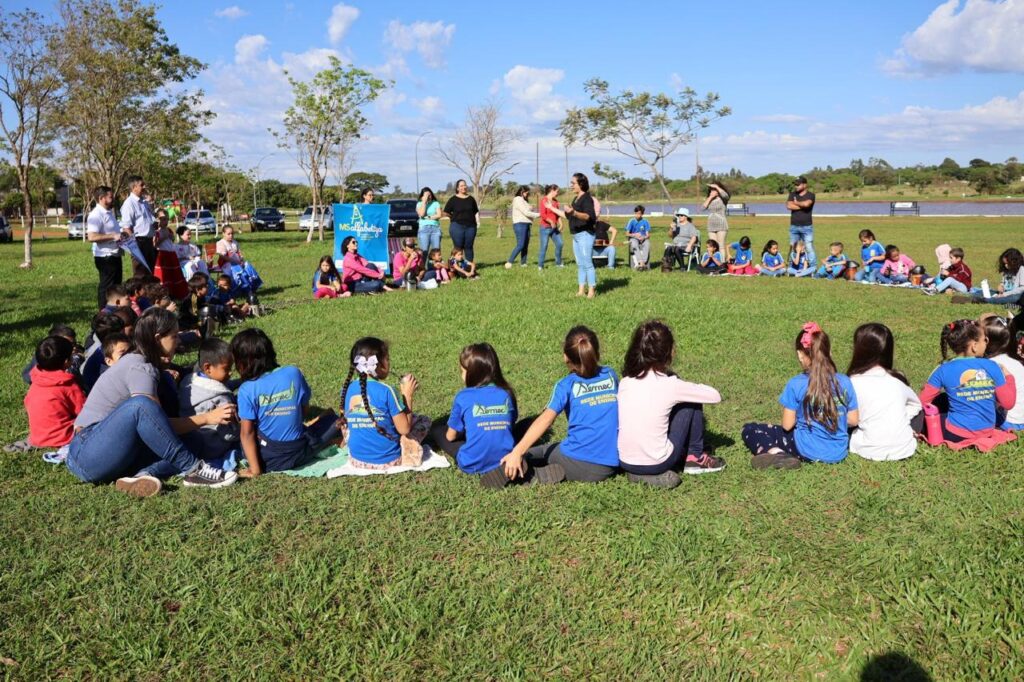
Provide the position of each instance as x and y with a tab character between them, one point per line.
661	181
26	207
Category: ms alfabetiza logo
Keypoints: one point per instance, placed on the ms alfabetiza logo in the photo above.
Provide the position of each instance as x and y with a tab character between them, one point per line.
490	410
580	390
279	397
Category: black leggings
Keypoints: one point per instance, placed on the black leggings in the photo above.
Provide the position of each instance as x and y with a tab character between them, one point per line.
439	436
575	469
760	438
685	432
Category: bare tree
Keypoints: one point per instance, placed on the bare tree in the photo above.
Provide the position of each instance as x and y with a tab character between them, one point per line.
481	148
29	79
345	158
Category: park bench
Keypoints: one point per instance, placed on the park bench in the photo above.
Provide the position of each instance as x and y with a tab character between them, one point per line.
737	209
904	207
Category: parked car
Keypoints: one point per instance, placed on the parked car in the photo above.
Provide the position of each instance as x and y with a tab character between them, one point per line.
267	219
403	221
326	215
201	221
6	231
76	226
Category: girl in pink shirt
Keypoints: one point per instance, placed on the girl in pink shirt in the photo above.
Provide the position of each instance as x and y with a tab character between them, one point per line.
358	274
897	266
661	417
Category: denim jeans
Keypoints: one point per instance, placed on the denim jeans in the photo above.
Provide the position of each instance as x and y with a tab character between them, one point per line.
892	279
803	272
773	273
554	235
367	286
873	275
126	441
583	249
429	237
804	233
950	283
608	252
463	237
997	299
522	231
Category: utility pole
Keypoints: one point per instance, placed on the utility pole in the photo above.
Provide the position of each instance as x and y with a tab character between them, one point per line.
567	181
536	179
696	156
422	135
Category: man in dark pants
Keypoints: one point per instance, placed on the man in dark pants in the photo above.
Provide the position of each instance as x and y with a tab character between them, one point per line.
137	218
103	231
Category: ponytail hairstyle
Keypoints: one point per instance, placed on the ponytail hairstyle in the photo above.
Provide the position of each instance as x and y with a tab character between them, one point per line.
1010	261
650	349
873	346
333	268
583	351
957	335
253	353
154	324
768	246
482	366
1001	337
823	390
368	358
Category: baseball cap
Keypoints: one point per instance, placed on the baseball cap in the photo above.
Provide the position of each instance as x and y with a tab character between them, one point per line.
801	181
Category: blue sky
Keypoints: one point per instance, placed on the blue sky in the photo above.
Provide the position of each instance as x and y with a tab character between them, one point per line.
809	84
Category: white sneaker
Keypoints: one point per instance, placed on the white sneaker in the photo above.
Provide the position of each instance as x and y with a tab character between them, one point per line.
139	486
508	266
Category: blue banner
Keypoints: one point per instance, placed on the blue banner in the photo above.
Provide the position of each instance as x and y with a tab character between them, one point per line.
368	223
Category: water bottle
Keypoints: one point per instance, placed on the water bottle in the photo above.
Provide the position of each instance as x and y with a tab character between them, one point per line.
933	425
986	291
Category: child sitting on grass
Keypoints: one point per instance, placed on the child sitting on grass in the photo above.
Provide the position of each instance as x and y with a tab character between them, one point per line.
819	405
742	263
459	267
872	255
772	263
223	300
437	269
327	281
896	267
117	296
204	390
1004	350
834	265
799	266
54	399
956	276
711	262
665	414
77	355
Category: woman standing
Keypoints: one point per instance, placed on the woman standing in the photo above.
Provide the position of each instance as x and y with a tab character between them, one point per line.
522	220
465	216
167	268
582	217
428	208
367	194
550	225
715	205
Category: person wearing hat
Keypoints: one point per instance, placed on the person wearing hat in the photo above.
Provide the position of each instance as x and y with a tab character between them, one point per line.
685	240
407	268
716	204
801	225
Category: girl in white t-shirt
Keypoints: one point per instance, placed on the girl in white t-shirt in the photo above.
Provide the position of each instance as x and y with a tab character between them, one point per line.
1003	350
889	408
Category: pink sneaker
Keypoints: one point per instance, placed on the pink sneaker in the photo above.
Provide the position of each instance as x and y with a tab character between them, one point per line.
703	464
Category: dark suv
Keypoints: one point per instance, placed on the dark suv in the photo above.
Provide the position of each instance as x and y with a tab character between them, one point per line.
403	221
267	219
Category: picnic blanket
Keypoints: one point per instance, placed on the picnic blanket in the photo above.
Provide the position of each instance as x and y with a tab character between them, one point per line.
431	460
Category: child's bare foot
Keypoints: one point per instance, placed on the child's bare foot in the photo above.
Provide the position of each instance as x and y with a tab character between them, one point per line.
581	292
592	292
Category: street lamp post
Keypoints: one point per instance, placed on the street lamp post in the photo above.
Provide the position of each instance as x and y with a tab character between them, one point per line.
422	135
255	180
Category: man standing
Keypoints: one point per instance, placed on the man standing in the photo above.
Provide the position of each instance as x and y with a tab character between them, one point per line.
103	231
137	218
801	224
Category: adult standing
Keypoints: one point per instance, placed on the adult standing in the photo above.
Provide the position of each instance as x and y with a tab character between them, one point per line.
368	194
465	216
522	221
716	204
801	221
428	208
550	225
123	433
103	230
582	218
137	217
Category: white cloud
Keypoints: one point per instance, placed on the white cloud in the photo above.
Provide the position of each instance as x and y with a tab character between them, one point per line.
304	65
780	118
430	107
249	47
232	13
430	40
983	35
342	18
532	89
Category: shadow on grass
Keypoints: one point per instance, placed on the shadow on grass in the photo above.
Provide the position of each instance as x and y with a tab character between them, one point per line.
715	441
894	666
606	285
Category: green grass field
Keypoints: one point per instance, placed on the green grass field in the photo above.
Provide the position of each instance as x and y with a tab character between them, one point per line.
828	572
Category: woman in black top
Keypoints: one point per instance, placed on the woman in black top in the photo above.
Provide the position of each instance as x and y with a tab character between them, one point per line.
582	218
465	217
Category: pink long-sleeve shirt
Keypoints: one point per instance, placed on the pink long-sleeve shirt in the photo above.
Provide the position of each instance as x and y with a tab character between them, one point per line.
901	266
354	268
644	407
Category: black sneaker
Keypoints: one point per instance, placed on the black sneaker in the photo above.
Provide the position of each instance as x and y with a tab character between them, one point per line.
495	479
206	476
703	464
775	460
546	475
668	479
139	486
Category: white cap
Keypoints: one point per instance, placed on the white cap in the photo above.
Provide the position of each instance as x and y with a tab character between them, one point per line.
682	210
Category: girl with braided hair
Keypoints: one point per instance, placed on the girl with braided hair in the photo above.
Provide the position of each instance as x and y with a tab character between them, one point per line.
374	414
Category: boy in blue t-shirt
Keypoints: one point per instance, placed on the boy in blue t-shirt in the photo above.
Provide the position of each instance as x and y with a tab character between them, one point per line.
835	264
485	414
366	443
872	255
639	232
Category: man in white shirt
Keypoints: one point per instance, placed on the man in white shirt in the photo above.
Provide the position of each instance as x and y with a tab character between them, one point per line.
103	231
137	217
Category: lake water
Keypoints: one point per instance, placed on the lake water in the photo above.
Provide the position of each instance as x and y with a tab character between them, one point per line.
851	208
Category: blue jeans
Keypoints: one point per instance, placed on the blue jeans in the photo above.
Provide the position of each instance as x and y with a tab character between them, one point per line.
583	249
607	251
873	275
804	233
429	237
804	272
554	235
522	231
832	271
367	286
125	443
950	283
773	273
892	279
463	237
997	299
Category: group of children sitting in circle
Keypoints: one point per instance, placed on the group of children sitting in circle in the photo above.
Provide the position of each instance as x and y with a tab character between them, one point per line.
146	419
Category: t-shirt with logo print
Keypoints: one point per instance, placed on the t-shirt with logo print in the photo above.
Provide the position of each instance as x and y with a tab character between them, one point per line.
365	442
275	401
486	415
970	384
592	408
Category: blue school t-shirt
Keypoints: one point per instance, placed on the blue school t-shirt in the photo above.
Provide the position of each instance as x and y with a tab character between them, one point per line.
486	415
813	439
275	401
801	262
743	256
971	385
365	443
872	250
707	259
638	227
592	408
772	260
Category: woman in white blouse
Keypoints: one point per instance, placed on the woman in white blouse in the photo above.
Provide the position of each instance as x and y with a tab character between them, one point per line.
522	221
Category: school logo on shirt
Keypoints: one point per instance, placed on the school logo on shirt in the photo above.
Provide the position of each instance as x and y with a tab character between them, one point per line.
580	390
976	378
490	410
279	397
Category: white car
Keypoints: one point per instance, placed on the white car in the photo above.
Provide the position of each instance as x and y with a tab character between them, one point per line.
201	221
76	226
307	220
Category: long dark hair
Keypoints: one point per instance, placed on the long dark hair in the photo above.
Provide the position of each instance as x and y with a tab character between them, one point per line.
431	199
154	324
820	403
582	181
482	366
523	189
957	335
583	350
333	269
344	245
650	349
253	353
1013	260
873	346
367	347
768	246
721	189
1001	337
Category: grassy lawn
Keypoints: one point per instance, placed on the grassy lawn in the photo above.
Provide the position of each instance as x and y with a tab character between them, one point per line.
825	572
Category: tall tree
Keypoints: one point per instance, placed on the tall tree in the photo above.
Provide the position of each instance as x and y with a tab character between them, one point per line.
29	81
326	113
480	148
641	126
124	88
